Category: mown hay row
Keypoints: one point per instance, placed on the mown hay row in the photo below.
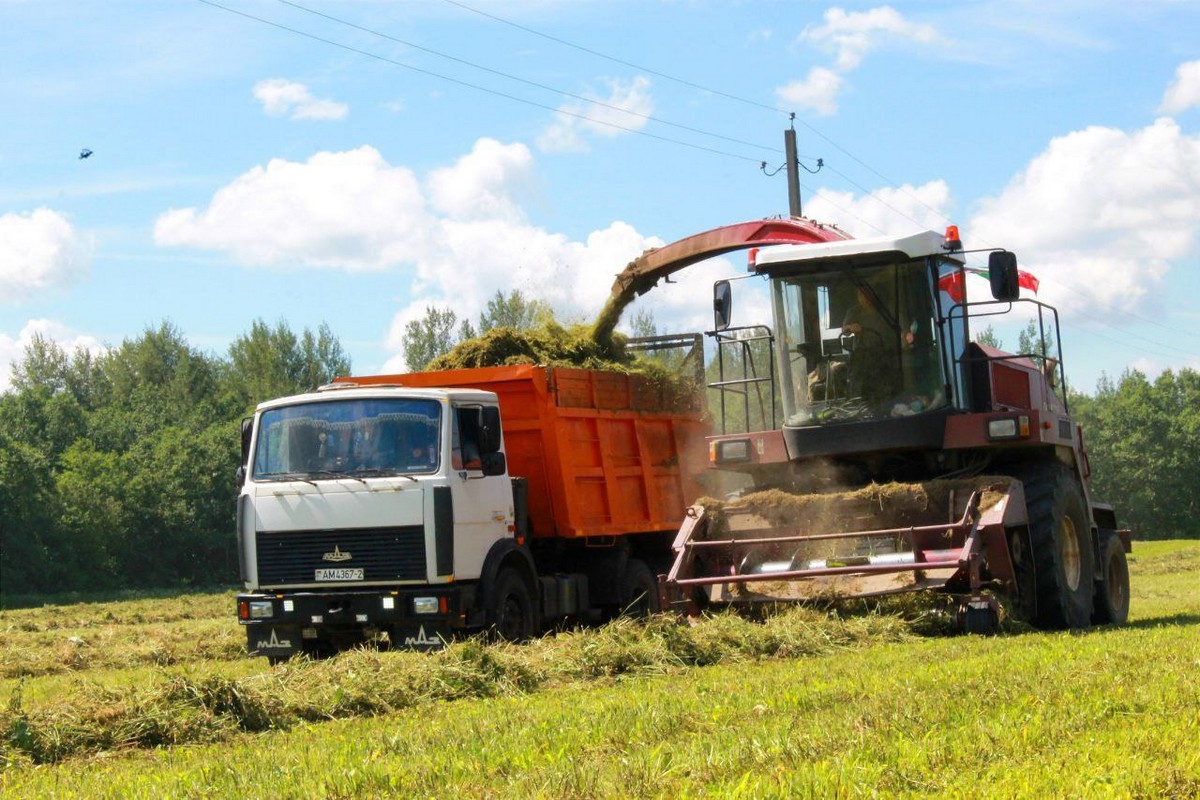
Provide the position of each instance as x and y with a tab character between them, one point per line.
175	709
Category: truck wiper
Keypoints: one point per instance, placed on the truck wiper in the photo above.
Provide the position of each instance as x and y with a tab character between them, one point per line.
378	472
324	473
285	476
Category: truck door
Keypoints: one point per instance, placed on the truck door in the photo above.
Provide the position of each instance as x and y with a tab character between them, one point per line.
483	504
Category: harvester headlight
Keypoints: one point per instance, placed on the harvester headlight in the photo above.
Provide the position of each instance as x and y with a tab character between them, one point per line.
730	451
1008	428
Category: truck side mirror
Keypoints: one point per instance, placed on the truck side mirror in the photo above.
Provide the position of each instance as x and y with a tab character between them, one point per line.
1002	272
493	464
247	427
722	305
489	430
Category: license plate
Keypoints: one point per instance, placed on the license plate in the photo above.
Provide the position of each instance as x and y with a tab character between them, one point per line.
340	574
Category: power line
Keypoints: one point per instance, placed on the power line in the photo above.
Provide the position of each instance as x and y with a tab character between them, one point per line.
475	86
613	59
509	76
650	118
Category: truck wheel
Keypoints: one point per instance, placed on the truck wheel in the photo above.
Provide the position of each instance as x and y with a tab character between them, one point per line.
1062	549
639	590
511	607
1112	590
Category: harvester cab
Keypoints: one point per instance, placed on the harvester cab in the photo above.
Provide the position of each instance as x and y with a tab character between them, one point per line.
881	450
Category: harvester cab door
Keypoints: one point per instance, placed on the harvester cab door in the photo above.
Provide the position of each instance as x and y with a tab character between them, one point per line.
481	493
951	299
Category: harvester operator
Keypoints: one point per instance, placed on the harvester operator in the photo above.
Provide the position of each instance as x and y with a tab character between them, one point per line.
873	366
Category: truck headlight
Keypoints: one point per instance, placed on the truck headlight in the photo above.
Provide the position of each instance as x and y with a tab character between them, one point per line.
261	609
425	605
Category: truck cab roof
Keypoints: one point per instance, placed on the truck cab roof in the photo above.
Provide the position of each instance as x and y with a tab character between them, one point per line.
344	391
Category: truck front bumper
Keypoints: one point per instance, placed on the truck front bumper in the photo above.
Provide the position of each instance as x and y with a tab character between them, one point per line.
281	624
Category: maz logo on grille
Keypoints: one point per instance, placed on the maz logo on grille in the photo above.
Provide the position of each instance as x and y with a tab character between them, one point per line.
336	555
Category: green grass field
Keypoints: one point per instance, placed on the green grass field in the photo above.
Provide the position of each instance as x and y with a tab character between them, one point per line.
153	698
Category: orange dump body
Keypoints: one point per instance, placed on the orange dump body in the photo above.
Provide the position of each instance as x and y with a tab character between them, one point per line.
605	453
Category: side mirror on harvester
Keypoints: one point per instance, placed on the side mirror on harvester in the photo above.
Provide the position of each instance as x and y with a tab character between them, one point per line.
1002	272
722	305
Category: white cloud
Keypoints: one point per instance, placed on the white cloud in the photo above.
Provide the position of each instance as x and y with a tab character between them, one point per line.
1100	215
348	210
816	92
38	250
625	109
460	235
851	35
1184	91
480	184
281	97
884	211
848	36
13	350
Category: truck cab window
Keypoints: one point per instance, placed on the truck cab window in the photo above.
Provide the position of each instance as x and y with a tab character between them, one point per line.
340	438
465	450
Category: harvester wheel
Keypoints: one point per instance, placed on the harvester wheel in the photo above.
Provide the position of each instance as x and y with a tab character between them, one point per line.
1112	590
511	607
639	590
1062	549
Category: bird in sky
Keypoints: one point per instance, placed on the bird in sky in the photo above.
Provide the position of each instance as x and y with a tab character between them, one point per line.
84	153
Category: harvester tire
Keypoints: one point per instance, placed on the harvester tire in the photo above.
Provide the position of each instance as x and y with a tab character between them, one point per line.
1112	590
1060	535
511	608
639	590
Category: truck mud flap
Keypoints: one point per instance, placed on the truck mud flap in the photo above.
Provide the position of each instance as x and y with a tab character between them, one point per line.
273	641
423	636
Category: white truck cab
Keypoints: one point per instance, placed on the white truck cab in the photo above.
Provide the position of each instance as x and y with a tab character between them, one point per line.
362	509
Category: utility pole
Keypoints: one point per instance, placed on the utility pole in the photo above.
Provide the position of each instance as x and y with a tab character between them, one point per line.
793	171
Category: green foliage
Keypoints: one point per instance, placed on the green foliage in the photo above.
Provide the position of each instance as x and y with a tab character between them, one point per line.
513	311
1037	340
746	403
116	470
428	338
433	336
1143	438
273	362
989	337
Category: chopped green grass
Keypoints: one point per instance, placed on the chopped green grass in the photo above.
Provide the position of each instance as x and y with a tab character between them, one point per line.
806	703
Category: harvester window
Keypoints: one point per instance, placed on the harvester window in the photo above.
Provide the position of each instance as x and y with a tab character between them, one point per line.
860	344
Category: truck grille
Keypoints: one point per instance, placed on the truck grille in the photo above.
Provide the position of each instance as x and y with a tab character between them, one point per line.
384	554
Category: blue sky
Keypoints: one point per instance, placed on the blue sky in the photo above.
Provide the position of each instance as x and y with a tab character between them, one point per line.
353	162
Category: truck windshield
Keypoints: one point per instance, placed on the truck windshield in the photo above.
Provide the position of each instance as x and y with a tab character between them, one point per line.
858	343
348	438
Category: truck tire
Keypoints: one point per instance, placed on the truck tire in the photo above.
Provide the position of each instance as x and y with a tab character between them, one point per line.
510	610
1112	590
639	590
1061	540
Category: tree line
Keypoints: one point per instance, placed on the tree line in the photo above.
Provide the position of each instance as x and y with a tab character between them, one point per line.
117	470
